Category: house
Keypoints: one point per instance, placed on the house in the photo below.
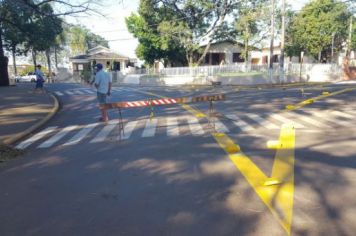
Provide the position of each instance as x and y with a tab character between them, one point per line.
229	52
111	61
223	52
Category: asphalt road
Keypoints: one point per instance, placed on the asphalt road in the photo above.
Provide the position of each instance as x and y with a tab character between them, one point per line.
172	175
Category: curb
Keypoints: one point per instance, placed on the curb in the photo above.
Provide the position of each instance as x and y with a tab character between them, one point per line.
49	116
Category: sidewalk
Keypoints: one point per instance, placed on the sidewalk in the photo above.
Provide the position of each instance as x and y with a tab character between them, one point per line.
22	111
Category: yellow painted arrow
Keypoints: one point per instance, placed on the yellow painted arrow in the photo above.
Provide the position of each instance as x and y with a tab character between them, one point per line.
276	191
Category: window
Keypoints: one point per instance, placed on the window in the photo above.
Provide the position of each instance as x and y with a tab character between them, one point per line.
236	57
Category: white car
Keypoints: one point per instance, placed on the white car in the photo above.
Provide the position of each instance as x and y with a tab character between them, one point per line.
30	77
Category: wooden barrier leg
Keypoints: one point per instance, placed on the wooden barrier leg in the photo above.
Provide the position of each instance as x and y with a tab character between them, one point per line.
210	115
121	123
104	114
152	111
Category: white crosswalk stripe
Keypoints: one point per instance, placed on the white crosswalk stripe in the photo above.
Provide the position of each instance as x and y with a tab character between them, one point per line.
343	114
286	120
57	137
240	123
172	126
36	137
220	127
307	119
78	92
332	119
81	134
89	91
150	128
128	129
59	93
104	133
69	92
353	112
195	126
262	121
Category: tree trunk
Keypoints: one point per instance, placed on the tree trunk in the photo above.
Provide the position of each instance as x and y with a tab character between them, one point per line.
48	55
4	75
56	57
14	58
189	56
246	51
34	54
212	33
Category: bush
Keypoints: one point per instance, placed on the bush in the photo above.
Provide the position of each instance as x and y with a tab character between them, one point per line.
86	75
29	69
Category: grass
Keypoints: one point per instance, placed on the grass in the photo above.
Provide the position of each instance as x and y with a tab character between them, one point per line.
8	153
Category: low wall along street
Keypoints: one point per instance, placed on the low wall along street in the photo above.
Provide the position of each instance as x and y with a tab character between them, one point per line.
237	75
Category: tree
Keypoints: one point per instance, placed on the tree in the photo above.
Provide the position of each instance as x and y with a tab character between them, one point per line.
47	28
152	46
179	24
81	39
10	10
12	39
249	24
313	29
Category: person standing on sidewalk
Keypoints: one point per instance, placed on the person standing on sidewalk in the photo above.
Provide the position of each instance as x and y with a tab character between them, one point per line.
39	78
103	85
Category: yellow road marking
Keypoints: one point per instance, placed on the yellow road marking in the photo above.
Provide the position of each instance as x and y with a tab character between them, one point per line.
277	191
312	100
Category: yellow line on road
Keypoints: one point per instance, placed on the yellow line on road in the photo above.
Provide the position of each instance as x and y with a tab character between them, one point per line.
277	191
292	107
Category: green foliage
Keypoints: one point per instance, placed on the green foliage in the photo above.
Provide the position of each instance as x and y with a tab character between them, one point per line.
250	21
81	39
152	45
174	30
86	75
311	30
353	35
31	69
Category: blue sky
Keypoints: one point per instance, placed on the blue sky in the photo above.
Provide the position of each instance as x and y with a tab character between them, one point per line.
113	27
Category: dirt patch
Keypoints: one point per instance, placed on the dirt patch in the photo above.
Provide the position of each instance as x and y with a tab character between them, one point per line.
8	153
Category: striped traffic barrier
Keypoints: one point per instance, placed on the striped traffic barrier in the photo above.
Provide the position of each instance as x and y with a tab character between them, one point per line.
163	101
160	102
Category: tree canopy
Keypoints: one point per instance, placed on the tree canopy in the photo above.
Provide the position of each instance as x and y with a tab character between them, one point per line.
318	24
80	39
35	24
171	29
250	23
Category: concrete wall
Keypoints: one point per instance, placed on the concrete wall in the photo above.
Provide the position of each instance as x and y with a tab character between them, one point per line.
310	73
189	80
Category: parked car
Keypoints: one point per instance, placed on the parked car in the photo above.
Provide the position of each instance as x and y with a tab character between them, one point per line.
30	77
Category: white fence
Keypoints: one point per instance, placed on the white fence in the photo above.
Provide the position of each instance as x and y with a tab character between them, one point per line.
304	70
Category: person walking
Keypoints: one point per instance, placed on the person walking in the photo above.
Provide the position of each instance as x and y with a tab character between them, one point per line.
39	78
103	85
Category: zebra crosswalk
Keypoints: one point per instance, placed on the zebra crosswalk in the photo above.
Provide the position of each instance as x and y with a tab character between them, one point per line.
89	91
182	125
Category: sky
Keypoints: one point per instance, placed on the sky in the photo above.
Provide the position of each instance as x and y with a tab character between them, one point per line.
113	27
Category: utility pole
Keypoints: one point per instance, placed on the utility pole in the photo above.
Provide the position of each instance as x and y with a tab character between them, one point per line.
332	47
281	58
350	38
270	71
